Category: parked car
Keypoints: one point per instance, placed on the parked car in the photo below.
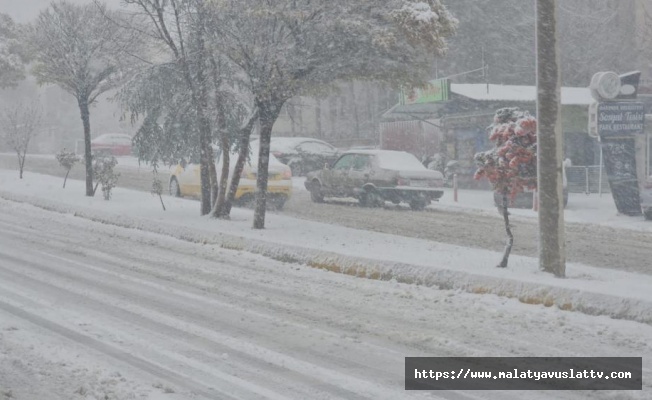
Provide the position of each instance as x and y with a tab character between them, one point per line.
115	144
301	154
646	198
185	180
374	176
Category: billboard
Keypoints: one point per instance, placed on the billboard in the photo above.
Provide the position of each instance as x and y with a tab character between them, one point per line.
435	91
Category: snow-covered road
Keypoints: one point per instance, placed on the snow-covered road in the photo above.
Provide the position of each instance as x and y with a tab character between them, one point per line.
100	312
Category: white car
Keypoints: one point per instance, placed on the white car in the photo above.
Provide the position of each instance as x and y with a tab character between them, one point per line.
373	176
301	154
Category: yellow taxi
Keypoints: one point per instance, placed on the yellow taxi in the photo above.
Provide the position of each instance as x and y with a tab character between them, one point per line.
185	180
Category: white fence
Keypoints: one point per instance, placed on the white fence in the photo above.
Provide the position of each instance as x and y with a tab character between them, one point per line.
586	179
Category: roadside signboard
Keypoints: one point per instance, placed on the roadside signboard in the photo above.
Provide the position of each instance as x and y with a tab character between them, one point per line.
619	156
436	90
618	123
620	119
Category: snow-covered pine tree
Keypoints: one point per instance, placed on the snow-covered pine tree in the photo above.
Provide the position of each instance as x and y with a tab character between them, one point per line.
158	98
511	165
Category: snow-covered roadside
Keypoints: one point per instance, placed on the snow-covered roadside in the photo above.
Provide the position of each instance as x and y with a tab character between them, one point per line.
350	251
584	209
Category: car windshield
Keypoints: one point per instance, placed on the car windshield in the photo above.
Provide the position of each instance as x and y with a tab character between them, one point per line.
399	161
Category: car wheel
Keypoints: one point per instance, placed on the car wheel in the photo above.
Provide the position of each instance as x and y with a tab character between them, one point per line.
278	202
174	188
417	204
371	198
647	213
296	168
316	194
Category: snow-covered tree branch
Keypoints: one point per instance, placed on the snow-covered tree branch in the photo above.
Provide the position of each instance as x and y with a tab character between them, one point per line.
286	48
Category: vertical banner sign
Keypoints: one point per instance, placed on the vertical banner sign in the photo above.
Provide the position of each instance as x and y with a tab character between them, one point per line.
620	163
618	124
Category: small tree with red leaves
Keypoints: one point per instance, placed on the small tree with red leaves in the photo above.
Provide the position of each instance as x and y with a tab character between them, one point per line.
511	165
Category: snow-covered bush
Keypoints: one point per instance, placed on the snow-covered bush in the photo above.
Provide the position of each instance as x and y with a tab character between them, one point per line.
511	165
104	174
157	187
67	160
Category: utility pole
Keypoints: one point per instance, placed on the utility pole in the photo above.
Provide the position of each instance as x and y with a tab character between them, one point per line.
552	247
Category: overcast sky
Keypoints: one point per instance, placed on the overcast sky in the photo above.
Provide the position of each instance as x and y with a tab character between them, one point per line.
26	10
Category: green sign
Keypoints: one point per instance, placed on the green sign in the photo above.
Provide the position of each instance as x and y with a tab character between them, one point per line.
434	91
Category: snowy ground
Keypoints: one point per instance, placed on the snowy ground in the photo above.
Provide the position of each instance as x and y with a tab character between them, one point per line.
582	208
93	311
618	293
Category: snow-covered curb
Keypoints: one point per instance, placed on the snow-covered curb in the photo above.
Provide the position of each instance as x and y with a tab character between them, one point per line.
582	300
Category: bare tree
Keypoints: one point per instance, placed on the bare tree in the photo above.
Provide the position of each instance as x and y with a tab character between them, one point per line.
20	125
76	48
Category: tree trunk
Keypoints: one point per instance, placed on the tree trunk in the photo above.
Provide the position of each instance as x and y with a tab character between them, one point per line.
218	207
214	186
206	158
269	111
21	164
508	230
218	210
243	153
354	106
318	118
88	158
244	134
161	198
552	256
66	178
208	176
332	110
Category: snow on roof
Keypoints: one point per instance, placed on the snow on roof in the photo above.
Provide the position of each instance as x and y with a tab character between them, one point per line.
478	91
372	152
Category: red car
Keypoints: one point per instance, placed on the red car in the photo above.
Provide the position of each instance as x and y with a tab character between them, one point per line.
115	144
